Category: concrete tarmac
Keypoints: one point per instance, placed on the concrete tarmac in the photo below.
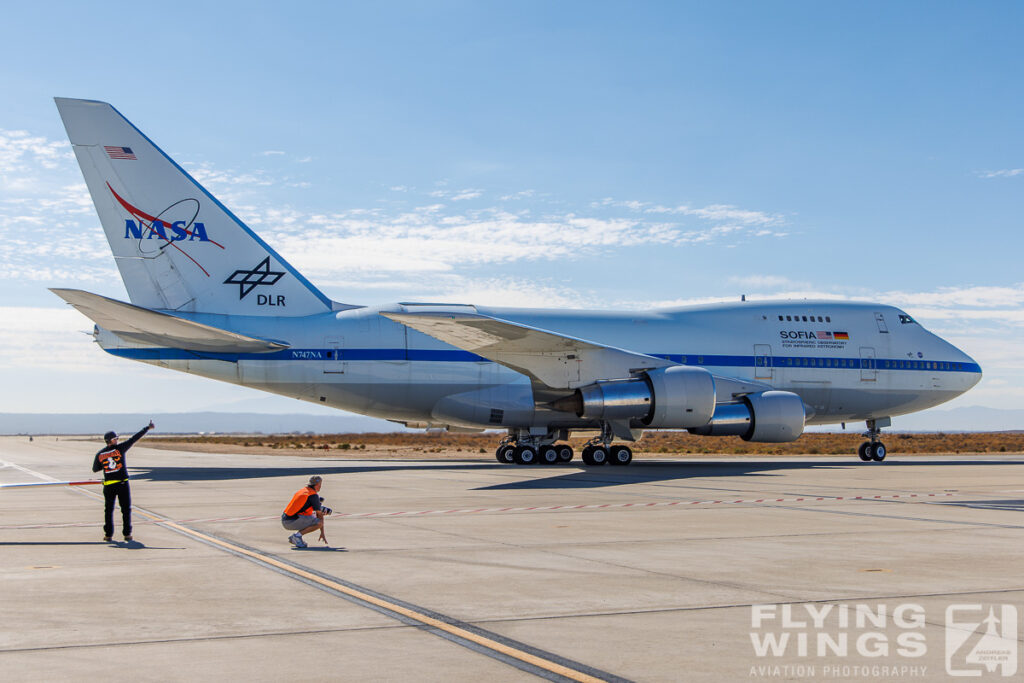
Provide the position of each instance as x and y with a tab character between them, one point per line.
815	568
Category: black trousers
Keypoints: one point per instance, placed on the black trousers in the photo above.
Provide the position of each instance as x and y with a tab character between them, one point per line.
123	495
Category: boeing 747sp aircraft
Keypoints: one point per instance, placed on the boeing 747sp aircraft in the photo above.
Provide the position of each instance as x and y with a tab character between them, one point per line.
209	297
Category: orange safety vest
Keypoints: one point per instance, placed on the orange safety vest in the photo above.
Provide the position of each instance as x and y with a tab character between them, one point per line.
298	500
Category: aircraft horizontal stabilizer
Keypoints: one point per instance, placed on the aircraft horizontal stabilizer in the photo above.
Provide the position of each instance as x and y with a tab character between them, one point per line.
145	326
555	360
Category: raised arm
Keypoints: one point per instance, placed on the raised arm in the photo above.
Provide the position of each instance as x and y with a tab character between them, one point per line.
141	433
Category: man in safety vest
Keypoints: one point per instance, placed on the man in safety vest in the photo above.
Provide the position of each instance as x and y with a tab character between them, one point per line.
110	459
305	513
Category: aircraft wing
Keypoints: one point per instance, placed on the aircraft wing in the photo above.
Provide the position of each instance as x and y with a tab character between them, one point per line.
137	324
555	360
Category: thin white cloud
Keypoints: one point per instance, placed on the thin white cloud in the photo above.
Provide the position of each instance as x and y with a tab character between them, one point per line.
1003	173
765	281
272	153
524	194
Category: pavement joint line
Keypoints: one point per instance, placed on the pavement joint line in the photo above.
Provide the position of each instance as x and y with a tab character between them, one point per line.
197	639
956	522
549	508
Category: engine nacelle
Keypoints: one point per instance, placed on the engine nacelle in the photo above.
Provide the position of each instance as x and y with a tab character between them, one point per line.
766	417
676	397
683	397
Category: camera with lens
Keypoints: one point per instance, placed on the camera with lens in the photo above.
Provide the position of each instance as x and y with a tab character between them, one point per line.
326	510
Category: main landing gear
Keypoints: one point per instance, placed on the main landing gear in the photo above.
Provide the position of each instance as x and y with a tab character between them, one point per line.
597	453
511	450
873	449
527	449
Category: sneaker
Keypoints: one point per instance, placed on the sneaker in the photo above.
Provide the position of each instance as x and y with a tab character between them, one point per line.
128	537
108	539
296	540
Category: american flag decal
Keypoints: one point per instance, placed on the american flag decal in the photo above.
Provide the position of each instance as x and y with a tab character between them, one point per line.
120	152
824	335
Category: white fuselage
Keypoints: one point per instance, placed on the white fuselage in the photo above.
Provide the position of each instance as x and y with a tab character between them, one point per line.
847	361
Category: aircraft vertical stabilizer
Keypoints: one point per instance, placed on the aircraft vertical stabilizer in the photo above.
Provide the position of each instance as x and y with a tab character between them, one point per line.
177	247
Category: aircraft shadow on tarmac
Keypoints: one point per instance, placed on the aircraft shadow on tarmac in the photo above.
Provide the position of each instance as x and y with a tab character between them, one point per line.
655	471
575	476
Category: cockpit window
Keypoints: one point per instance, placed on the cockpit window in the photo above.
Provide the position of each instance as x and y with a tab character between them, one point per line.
905	319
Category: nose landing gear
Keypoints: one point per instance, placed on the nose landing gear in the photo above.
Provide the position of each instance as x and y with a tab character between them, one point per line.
874	449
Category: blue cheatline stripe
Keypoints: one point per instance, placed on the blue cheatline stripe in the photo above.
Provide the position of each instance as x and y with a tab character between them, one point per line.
298	276
457	356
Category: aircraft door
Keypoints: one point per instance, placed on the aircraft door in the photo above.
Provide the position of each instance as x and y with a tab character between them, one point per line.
868	365
334	363
762	361
880	320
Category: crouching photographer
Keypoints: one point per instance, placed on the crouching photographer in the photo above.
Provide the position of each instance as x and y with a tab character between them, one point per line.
305	513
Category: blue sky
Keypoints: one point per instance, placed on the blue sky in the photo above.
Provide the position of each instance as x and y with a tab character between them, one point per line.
563	154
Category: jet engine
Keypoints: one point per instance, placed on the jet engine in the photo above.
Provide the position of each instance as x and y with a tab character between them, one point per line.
769	417
674	397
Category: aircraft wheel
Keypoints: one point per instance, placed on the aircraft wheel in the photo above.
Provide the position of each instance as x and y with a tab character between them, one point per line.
598	455
504	453
588	456
525	455
620	455
548	455
862	452
878	451
565	453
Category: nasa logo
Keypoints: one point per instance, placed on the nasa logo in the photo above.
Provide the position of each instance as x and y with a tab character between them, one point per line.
179	231
167	231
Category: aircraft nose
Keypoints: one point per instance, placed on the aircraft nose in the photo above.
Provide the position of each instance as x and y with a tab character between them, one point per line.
969	365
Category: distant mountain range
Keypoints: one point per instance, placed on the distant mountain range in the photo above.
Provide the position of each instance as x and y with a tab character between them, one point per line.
192	423
967	419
